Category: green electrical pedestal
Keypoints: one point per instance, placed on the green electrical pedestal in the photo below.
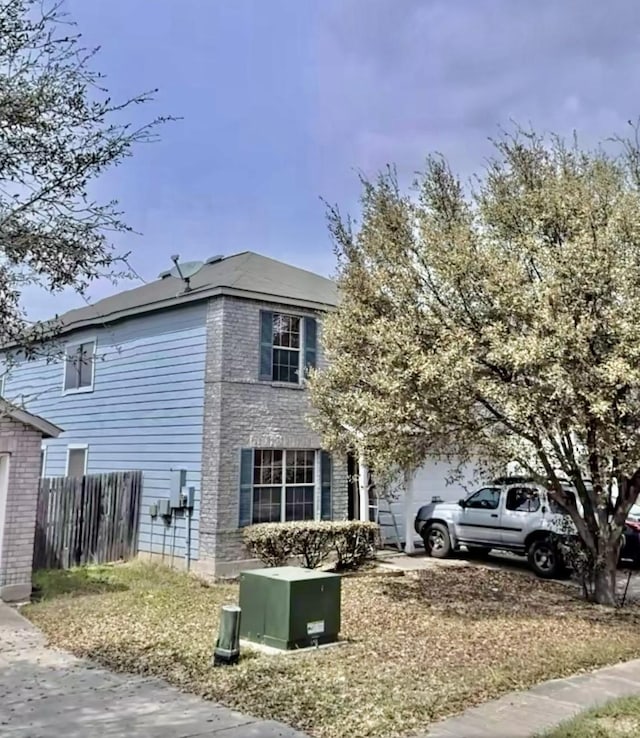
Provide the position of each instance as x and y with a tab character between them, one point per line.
288	607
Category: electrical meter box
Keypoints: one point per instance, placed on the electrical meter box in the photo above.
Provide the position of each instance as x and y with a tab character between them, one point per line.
288	607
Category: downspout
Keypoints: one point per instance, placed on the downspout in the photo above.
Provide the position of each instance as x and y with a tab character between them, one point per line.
187	551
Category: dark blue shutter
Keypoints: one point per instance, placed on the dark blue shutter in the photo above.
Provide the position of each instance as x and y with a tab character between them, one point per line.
246	486
310	343
325	486
266	344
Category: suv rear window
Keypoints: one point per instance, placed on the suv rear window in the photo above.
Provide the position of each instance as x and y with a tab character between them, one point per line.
556	507
523	499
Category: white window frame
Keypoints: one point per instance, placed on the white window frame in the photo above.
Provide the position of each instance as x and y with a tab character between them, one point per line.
77	447
45	451
5	461
283	485
67	348
3	380
300	350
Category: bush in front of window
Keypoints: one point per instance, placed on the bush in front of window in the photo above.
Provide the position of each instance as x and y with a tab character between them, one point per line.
355	544
350	543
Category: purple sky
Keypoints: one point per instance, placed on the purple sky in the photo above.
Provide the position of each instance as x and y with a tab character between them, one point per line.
283	101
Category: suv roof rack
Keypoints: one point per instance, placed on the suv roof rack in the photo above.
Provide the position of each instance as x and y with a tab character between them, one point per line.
513	480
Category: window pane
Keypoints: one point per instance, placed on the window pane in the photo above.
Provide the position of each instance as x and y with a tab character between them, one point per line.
76	462
294	333
485	499
85	358
557	508
267	467
280	330
300	467
71	372
285	365
523	499
266	504
299	503
286	331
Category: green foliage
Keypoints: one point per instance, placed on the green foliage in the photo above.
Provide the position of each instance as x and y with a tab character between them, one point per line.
352	542
60	132
496	325
268	543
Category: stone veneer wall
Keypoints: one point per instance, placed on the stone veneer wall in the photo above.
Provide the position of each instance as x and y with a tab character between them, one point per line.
243	412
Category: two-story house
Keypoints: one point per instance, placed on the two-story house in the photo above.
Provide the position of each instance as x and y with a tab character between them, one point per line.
206	377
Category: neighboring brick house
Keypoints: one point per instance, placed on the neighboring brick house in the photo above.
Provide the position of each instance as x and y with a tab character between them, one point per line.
21	437
206	378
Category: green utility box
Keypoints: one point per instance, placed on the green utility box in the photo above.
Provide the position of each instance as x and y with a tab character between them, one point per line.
288	607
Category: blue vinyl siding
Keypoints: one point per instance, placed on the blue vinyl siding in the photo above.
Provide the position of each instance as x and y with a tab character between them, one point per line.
145	412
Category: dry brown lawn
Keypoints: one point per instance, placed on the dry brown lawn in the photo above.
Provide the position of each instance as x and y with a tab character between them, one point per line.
420	647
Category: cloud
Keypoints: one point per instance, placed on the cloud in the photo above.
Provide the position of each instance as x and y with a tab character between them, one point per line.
399	79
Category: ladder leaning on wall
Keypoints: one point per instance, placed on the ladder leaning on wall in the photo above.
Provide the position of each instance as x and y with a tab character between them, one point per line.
380	510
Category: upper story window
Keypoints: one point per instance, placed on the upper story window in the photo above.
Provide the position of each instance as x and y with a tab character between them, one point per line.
79	366
287	331
287	346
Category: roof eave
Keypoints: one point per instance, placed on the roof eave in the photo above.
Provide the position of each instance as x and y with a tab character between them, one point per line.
196	296
47	429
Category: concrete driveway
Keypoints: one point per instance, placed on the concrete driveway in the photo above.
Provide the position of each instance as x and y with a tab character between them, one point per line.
51	694
499	560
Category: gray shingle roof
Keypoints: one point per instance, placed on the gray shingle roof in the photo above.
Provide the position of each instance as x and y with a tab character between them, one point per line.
243	275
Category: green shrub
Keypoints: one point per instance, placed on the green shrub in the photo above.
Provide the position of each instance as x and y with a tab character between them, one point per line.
352	542
266	542
311	541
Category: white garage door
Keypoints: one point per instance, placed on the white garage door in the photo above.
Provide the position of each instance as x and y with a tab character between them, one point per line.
431	480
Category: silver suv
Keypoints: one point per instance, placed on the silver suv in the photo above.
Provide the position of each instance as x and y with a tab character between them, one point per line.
513	514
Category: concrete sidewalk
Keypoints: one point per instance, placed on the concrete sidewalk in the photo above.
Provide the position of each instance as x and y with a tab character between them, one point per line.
51	694
525	714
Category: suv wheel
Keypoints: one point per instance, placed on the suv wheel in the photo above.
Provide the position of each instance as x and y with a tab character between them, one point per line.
544	558
437	541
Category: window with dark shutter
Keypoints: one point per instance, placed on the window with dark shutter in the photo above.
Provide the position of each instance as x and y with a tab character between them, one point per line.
277	485
287	347
310	343
326	512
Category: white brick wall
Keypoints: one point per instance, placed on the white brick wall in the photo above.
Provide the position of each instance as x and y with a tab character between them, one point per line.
22	443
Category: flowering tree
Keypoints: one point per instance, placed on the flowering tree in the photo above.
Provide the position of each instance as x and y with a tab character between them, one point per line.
59	131
500	324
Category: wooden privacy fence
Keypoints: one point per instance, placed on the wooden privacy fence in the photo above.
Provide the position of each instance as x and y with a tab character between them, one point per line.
91	519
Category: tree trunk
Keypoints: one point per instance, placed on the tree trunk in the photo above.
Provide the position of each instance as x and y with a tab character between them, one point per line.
604	592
